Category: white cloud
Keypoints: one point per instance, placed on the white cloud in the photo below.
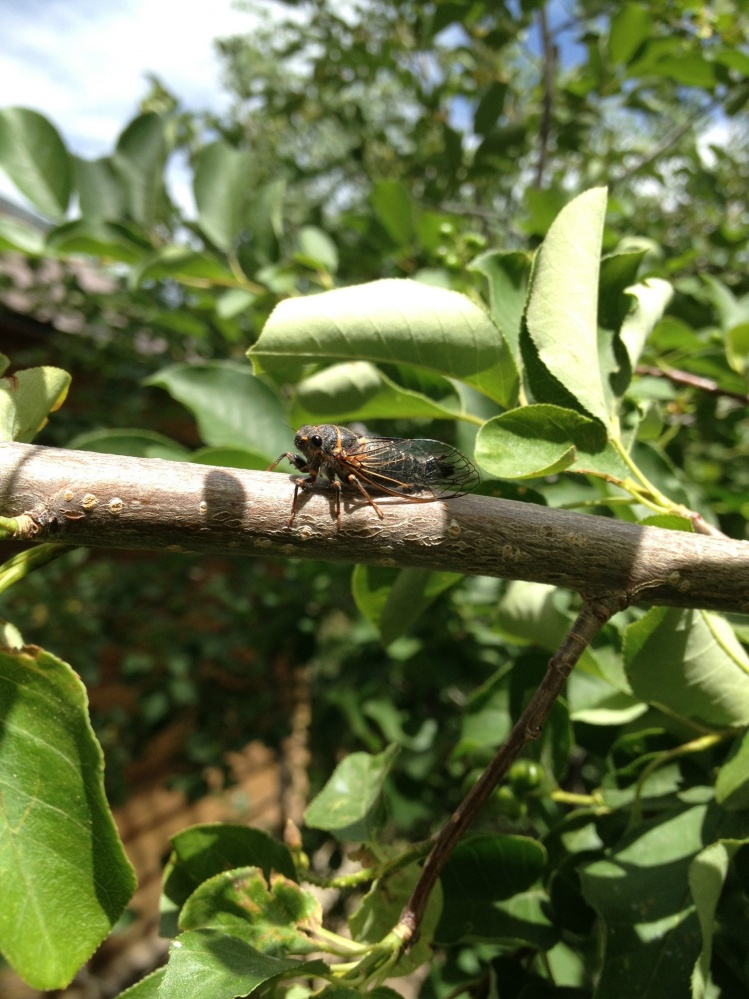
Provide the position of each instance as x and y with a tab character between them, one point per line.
83	63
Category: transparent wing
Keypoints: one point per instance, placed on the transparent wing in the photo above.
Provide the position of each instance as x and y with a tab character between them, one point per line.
419	468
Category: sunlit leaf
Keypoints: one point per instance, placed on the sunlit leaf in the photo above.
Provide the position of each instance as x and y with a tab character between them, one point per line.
100	191
393	321
271	913
61	861
560	342
732	783
351	803
540	440
26	400
231	406
224	966
139	160
35	158
221	187
707	875
202	851
138	443
362	391
690	663
317	249
507	274
393	599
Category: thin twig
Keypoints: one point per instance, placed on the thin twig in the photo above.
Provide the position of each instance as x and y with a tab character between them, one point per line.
689	380
593	615
670	140
549	67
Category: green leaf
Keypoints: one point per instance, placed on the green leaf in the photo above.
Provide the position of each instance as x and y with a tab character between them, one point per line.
317	249
732	783
15	235
215	964
139	160
234	302
110	241
62	865
272	913
486	718
202	851
396	322
561	320
508	274
393	599
650	299
668	522
596	701
618	273
181	264
489	107
221	187
231	406
640	890
380	911
540	440
100	192
138	443
542	207
737	347
482	871
146	988
26	400
265	219
395	209
707	876
689	663
631	26
527	614
351	804
362	391
35	158
230	457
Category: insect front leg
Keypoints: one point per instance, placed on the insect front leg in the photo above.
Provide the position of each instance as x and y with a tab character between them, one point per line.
301	464
306	485
297	460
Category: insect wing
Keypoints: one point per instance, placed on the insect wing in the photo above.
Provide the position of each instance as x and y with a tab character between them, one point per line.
412	467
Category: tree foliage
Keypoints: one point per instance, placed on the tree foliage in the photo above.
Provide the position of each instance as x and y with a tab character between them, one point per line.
403	219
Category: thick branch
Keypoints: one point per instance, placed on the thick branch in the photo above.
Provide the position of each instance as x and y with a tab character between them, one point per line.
82	498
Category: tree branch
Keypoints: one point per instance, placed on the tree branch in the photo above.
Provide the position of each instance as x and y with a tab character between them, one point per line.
593	615
112	501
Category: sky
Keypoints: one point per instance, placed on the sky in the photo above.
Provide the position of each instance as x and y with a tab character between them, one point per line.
83	63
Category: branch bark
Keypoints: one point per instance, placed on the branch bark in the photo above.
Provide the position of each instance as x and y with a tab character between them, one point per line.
82	498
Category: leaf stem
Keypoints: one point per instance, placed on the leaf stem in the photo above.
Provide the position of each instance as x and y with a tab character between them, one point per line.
697	745
25	562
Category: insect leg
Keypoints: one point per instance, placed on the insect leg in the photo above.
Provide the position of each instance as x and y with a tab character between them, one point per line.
304	484
296	460
352	480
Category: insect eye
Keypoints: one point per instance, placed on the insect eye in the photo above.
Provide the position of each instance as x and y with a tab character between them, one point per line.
316	440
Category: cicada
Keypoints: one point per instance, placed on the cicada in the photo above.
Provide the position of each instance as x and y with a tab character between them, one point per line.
417	470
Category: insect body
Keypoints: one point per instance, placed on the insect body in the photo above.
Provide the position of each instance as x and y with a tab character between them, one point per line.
418	470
